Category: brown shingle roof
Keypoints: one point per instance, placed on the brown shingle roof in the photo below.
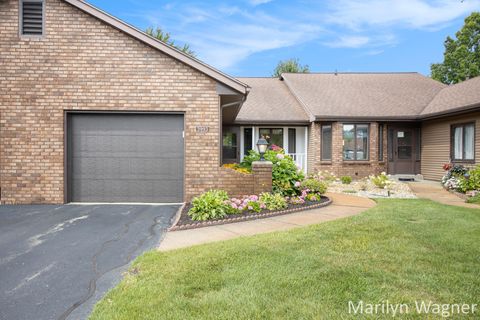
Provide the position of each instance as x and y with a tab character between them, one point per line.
373	95
451	98
270	100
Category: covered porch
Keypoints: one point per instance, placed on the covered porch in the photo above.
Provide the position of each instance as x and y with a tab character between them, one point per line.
237	141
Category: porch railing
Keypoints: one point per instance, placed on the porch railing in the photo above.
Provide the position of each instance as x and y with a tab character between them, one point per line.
300	159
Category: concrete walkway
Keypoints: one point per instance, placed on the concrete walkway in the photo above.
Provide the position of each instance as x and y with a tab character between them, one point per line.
434	191
343	206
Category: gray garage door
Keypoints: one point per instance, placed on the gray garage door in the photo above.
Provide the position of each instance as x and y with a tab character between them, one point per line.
125	158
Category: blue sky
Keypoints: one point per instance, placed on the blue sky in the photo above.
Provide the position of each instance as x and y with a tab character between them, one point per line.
249	37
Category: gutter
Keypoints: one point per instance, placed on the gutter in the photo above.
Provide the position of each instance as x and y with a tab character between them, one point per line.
430	116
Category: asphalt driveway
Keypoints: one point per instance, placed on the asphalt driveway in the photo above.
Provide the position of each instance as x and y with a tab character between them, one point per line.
57	261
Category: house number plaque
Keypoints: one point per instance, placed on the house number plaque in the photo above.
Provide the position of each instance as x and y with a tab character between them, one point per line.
201	129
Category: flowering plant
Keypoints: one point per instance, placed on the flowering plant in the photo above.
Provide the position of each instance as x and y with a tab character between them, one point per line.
285	173
447	166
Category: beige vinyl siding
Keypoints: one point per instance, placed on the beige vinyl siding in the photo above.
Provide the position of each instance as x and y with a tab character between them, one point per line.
436	144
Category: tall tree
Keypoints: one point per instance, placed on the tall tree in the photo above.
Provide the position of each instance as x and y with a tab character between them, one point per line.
163	36
291	65
462	55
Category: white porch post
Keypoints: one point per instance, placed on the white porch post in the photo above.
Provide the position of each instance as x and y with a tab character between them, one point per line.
285	139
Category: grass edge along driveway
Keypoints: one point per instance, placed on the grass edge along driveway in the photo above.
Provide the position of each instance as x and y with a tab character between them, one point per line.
401	251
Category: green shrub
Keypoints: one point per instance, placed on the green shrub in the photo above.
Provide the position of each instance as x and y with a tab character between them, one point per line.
273	201
381	181
346	179
314	186
285	174
210	205
475	199
470	183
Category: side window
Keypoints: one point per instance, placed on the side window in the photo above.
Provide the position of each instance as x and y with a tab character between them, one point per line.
463	142
326	142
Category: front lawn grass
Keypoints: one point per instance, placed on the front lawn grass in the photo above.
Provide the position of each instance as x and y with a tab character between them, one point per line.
400	251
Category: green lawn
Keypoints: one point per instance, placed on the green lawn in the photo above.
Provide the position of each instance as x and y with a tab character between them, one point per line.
400	251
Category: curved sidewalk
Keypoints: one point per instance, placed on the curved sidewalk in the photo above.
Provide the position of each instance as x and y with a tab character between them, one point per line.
433	190
343	206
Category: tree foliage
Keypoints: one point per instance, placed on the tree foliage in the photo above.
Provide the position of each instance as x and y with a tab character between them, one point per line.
163	36
462	55
290	66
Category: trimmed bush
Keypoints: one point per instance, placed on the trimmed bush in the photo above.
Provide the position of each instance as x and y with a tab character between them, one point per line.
469	181
314	186
346	179
273	201
211	205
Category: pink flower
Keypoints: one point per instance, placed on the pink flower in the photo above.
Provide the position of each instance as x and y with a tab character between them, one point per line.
280	156
297	184
274	147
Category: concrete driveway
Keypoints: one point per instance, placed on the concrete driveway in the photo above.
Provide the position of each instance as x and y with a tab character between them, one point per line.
57	261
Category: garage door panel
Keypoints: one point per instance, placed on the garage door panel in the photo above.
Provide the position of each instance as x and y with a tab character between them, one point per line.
125	158
124	145
132	169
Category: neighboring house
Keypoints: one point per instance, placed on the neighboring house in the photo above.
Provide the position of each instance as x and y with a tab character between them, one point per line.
360	124
94	110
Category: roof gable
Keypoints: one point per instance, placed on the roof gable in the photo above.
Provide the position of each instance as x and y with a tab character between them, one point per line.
161	46
270	101
453	98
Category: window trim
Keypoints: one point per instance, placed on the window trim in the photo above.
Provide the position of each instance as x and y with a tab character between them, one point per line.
273	128
355	153
452	141
322	141
20	20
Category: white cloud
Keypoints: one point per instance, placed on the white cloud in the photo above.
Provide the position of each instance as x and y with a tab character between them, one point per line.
417	14
259	2
223	35
349	42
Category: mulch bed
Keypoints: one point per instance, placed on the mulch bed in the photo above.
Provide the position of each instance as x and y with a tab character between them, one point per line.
185	222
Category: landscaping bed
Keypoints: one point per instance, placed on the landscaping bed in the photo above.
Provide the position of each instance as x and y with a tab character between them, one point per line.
374	186
400	251
186	222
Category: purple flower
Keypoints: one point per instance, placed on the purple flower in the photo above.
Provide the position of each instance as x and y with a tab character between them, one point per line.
250	208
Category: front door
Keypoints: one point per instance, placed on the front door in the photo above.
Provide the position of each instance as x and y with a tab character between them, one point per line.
403	148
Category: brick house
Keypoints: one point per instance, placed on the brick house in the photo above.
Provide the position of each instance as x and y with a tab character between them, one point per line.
359	124
94	110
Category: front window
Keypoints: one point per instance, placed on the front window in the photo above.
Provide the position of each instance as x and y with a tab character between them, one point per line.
355	141
274	136
463	142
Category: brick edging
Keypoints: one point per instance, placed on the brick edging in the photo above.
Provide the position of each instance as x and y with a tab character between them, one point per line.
250	217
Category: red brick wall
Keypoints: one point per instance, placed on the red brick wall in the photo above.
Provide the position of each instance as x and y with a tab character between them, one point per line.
355	169
84	64
239	184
